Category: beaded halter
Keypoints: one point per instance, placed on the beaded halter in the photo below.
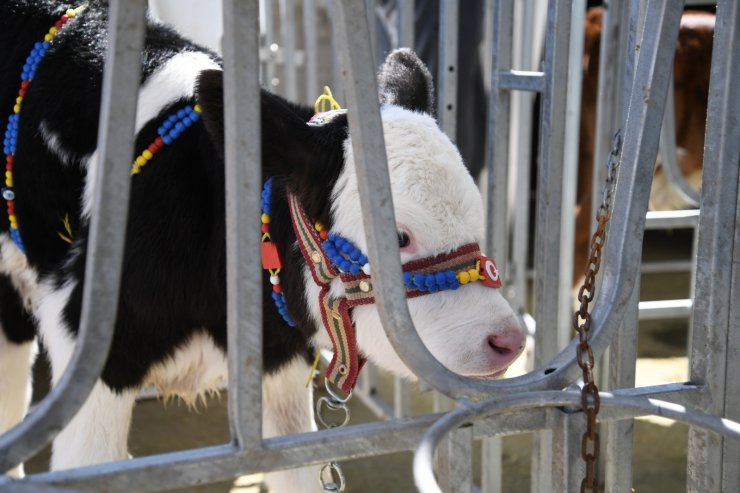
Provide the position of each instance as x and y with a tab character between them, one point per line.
172	127
329	256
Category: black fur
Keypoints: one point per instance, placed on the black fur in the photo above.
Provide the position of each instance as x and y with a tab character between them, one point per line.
173	281
16	322
405	81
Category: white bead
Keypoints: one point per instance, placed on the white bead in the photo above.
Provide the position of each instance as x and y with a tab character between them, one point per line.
274	280
366	269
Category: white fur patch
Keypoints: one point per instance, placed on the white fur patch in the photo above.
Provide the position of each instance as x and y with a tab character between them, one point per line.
54	143
16	361
15	265
196	368
288	409
438	203
57	340
98	432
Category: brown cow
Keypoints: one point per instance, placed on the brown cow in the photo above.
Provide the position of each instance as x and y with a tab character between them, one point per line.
691	86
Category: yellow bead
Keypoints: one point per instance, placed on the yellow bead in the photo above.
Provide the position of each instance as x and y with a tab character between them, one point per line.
197	108
17	108
474	276
19	99
265	219
71	13
319	227
147	155
48	37
53	30
9	180
140	161
463	277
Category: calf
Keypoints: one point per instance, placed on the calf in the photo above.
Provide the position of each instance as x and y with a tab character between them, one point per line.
170	328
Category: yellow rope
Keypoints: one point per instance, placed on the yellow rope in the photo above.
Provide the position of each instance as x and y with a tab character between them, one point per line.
326	97
313	367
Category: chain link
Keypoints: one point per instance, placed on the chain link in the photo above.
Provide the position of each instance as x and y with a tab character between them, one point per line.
334	403
590	401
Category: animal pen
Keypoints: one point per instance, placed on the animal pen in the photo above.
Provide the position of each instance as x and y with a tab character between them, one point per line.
637	57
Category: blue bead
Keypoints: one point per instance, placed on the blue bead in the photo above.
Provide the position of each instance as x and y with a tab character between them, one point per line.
339	241
429	281
451	276
455	284
172	118
346	265
188	109
180	114
166	139
174	134
179	127
161	131
433	288
46	45
355	255
419	280
37	45
167	125
407	278
362	260
440	277
355	269
347	248
195	116
187	121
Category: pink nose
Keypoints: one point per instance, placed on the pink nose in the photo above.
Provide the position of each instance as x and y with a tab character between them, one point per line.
506	346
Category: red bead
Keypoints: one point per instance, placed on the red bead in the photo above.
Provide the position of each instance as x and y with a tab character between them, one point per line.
159	142
22	92
59	24
323	234
277	288
11	207
24	84
8	167
64	19
153	148
265	228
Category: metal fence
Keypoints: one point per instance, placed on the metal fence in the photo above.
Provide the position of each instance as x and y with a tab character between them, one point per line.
532	402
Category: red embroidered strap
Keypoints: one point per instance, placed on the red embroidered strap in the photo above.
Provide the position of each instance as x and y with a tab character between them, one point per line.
346	364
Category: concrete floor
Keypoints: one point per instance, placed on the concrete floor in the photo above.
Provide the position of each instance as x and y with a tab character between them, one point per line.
660	446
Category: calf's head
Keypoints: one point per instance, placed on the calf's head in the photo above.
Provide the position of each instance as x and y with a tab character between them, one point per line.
471	330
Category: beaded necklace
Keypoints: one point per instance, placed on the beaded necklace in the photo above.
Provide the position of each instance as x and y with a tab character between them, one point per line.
11	131
172	127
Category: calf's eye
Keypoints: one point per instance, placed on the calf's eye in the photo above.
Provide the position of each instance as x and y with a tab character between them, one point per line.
403	239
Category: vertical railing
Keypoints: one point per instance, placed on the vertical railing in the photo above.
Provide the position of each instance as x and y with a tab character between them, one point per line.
105	241
242	172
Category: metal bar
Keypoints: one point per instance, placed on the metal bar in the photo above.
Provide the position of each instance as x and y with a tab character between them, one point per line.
658	310
287	31
547	242
242	169
449	11
406	23
567	465
669	266
717	226
497	148
669	157
521	80
267	21
672	219
455	461
310	47
423	461
105	241
619	374
401	397
491	465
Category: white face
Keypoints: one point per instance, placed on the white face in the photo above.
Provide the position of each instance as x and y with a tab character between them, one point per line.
472	330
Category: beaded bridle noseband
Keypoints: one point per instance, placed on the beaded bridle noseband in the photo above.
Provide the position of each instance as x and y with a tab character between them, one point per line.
330	256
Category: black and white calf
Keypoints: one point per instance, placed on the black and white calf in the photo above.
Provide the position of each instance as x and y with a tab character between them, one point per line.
171	325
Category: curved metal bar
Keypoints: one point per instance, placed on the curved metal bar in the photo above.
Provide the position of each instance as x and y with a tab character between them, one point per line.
467	412
105	242
669	157
621	259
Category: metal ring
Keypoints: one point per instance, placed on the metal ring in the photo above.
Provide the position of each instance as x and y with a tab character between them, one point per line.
333	406
336	393
332	485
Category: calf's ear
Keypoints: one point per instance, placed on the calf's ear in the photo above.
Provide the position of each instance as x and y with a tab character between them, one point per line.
307	159
405	81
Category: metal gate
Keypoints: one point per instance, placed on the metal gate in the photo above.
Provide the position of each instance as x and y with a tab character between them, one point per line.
532	402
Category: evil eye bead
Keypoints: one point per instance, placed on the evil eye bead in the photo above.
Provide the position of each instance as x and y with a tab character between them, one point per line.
8	194
366	269
274	280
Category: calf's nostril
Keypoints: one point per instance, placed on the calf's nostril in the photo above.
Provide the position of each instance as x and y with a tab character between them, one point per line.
499	346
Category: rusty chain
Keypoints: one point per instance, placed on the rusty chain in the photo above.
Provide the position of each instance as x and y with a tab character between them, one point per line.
582	323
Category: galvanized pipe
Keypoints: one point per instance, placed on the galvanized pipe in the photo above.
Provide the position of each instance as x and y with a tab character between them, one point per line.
243	184
121	77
